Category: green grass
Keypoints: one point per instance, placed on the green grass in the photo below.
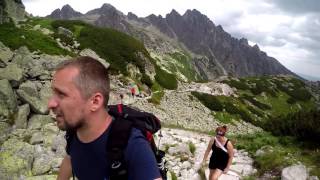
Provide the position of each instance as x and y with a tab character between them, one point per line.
283	151
118	48
192	148
225	118
185	66
157	93
173	175
165	79
13	38
43	22
228	104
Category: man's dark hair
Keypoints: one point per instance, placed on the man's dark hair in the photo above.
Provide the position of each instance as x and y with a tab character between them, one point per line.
93	76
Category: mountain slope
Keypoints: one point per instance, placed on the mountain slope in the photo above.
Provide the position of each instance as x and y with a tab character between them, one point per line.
213	52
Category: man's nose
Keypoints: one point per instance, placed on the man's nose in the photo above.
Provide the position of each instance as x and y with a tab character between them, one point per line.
52	103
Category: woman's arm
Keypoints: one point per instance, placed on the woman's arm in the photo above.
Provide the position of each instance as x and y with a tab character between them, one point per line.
208	150
231	154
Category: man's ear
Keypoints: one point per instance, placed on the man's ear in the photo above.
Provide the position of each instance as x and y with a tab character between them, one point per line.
96	101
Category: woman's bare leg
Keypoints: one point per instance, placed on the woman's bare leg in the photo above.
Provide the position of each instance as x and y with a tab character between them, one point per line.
216	174
211	173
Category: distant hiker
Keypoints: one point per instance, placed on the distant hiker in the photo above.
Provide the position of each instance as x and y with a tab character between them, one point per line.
81	90
133	91
121	98
222	154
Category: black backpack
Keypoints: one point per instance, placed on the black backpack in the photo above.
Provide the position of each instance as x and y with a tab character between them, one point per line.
125	119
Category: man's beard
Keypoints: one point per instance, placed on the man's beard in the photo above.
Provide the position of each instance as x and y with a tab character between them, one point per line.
66	126
74	127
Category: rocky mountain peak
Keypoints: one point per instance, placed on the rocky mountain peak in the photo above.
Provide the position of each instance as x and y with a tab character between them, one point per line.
105	9
173	13
243	41
132	16
67	8
66	12
256	47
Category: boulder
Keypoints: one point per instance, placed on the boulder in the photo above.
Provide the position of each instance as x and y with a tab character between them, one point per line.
180	149
38	121
5	53
89	52
22	57
8	101
4	130
64	31
13	73
28	93
41	164
22	116
16	159
263	150
295	172
37	138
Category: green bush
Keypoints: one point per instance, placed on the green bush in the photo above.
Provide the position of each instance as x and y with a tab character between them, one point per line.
253	142
271	161
300	94
157	94
224	117
256	102
68	24
291	100
65	39
232	109
156	97
146	80
165	79
209	101
237	84
302	124
255	111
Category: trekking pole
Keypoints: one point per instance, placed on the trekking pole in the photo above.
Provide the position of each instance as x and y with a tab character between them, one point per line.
160	136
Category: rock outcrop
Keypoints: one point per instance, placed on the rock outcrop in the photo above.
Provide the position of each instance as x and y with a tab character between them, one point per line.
12	9
66	12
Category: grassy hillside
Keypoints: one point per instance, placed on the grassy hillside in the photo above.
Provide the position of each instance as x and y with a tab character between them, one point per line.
273	103
179	64
280	152
14	38
118	48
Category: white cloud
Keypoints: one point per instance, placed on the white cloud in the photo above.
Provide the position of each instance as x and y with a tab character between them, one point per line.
283	29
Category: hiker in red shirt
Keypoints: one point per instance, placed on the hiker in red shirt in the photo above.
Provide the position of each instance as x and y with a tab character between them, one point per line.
133	91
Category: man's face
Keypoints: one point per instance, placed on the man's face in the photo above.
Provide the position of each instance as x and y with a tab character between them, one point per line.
66	102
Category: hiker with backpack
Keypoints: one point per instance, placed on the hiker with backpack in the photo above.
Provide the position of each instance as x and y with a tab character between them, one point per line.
222	154
99	145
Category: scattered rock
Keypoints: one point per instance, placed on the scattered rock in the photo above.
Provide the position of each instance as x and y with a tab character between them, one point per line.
295	172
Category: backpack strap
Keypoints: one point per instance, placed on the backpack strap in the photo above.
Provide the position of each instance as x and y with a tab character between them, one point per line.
119	134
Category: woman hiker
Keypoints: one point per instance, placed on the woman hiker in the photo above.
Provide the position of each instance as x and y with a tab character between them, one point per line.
222	154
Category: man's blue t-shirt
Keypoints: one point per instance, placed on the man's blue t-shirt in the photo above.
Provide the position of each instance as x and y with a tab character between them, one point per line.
89	160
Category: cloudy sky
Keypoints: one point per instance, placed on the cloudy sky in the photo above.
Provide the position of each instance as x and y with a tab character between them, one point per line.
288	30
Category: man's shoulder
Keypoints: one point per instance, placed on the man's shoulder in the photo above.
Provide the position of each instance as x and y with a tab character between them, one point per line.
136	134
